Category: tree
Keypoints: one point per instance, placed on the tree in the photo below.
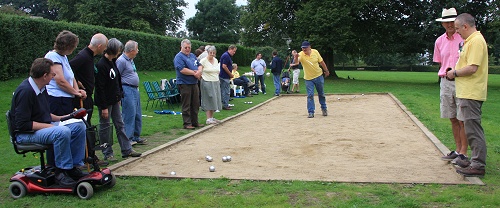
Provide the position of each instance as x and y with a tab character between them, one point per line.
33	7
215	21
153	16
269	23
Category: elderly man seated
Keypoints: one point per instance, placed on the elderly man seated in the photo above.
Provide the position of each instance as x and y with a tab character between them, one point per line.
32	120
242	81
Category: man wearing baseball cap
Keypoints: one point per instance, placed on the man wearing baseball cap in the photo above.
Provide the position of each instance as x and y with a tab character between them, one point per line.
446	54
313	75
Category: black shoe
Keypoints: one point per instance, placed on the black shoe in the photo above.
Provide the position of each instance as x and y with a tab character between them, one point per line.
142	141
64	179
132	154
76	173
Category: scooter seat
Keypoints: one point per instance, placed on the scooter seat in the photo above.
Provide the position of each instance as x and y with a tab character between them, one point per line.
32	147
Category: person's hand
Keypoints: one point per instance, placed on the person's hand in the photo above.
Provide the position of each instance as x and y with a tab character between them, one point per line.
231	75
327	73
84	94
450	75
105	114
197	75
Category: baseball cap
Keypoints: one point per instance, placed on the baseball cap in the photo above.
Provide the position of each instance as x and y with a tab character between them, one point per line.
305	44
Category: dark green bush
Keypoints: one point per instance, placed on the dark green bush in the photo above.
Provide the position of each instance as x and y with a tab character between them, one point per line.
23	39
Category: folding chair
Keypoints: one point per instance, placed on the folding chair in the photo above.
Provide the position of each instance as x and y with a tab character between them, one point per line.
152	95
163	95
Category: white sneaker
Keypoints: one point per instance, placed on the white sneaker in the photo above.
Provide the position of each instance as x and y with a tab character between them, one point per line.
132	143
211	121
230	105
216	120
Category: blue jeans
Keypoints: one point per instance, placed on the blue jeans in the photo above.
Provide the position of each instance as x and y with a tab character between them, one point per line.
104	134
317	82
225	89
68	143
259	81
131	112
277	83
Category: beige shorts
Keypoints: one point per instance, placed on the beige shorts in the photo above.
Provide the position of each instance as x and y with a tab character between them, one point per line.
448	98
296	73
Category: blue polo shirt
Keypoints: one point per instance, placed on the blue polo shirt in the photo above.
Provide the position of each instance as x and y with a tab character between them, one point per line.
182	61
225	59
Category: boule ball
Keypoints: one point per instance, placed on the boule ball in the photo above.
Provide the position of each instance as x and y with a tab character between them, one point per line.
209	159
211	168
224	159
172	173
228	158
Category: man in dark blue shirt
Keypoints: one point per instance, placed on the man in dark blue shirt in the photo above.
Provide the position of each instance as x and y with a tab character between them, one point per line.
30	113
188	71
276	67
225	75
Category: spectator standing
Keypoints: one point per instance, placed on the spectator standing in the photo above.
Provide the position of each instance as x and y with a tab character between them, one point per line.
188	71
83	67
258	67
225	75
108	93
446	54
471	80
63	88
296	73
276	67
131	101
313	74
210	85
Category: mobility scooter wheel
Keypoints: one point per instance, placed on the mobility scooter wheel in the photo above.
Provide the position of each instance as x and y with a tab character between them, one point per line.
17	190
113	181
85	190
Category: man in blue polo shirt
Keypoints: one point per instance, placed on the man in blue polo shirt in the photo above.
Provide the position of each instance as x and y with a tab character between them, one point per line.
188	71
225	75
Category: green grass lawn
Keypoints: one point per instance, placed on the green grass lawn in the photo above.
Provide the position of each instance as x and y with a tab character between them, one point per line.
419	92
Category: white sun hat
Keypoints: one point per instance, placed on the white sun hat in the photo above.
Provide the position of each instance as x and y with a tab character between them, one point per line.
448	15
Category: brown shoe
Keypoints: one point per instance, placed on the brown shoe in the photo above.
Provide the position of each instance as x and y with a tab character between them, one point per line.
471	172
189	127
227	108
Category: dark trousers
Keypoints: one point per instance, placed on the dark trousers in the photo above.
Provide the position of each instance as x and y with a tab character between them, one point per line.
240	81
190	98
259	80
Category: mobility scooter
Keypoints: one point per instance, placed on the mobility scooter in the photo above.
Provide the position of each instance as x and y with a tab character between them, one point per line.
41	179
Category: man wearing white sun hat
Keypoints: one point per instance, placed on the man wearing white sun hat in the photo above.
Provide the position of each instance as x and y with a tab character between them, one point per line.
446	54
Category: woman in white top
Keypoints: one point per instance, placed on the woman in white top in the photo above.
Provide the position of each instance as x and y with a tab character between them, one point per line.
210	87
63	88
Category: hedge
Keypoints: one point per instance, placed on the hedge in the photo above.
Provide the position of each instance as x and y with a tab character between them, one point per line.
23	39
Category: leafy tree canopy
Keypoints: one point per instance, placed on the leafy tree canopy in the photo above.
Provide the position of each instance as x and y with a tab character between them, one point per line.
215	21
151	16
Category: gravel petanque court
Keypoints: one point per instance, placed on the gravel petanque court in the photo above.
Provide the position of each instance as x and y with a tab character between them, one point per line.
365	138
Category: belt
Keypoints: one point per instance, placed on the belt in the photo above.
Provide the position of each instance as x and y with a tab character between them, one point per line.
130	85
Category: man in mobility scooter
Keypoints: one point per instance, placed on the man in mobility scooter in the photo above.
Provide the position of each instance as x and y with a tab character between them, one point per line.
31	128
